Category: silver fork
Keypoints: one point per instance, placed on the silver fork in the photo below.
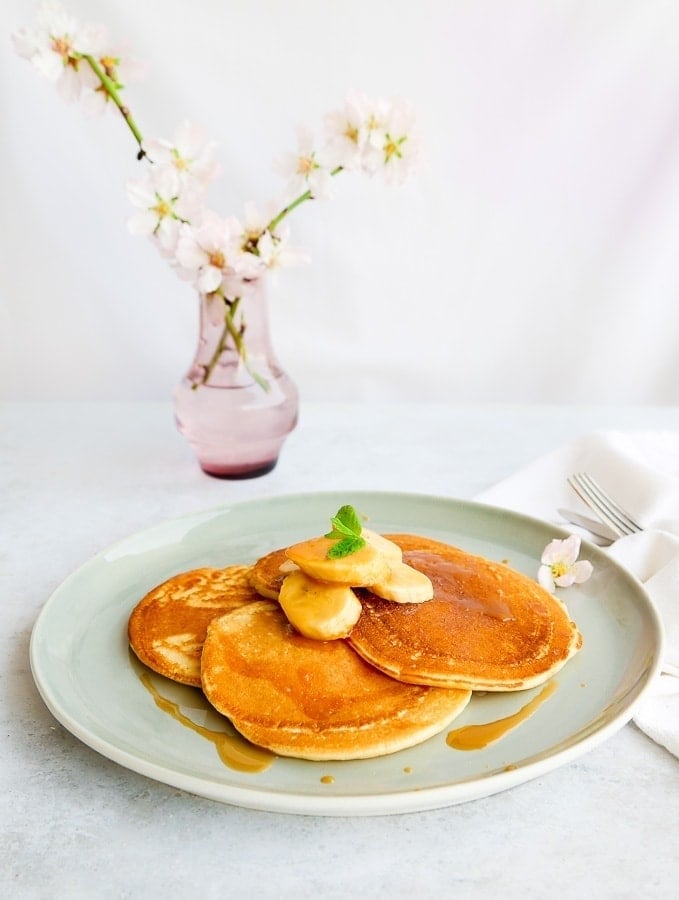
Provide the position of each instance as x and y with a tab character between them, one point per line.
610	512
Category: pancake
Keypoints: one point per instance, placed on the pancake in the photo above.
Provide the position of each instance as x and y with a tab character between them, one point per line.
488	627
266	576
312	699
167	627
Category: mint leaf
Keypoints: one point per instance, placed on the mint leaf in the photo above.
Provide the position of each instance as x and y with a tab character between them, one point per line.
345	547
345	523
338	533
346	530
348	517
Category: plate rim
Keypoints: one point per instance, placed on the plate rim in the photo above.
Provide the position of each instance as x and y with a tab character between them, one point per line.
348	804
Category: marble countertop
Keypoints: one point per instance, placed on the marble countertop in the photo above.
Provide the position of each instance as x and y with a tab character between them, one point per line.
77	477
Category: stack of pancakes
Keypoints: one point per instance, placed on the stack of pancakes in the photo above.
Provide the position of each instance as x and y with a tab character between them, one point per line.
403	674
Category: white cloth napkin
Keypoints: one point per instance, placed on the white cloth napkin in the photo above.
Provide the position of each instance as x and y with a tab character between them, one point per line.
641	471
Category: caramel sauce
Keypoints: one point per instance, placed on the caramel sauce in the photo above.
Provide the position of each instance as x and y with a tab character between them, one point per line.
445	575
327	779
234	751
475	737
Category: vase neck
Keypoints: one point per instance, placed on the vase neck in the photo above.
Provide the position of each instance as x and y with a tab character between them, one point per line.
218	361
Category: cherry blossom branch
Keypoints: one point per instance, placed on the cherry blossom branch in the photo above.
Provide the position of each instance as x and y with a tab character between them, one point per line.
112	92
307	195
221	257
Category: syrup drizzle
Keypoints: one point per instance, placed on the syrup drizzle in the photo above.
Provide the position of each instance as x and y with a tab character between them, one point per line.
476	737
234	751
449	579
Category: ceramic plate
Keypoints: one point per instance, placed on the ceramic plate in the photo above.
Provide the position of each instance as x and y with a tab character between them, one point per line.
84	671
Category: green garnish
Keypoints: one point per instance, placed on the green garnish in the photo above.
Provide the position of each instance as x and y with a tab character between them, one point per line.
346	530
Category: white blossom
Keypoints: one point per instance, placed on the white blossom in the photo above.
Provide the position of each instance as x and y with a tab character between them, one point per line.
304	170
212	254
190	152
375	116
400	145
56	46
255	223
271	246
162	206
346	134
560	566
275	251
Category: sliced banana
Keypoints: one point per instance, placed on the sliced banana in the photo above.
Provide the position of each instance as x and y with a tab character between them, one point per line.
383	545
359	569
404	585
319	610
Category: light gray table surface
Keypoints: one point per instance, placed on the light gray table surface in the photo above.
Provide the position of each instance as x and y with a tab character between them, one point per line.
77	477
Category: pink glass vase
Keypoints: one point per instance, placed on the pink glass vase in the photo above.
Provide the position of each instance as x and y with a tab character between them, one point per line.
236	415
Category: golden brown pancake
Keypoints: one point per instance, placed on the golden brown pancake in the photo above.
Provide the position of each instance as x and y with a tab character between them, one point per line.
168	626
312	699
488	627
266	576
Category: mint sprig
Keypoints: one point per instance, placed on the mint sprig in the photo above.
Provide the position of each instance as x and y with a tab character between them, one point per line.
346	530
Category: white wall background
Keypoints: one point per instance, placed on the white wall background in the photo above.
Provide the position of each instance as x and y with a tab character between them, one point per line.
535	257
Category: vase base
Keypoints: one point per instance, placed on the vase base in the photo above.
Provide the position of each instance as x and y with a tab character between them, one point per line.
235	472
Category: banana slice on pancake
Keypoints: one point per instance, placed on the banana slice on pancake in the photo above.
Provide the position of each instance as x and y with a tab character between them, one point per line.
397	582
404	584
359	569
318	610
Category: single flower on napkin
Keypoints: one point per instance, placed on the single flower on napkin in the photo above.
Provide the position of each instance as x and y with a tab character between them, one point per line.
641	471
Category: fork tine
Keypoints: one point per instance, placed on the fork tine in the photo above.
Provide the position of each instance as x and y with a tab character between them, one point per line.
613	506
594	505
608	510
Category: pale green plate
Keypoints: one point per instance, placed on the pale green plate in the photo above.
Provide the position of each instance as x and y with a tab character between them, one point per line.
82	667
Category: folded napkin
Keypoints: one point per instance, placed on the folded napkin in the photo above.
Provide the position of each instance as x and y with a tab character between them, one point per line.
641	471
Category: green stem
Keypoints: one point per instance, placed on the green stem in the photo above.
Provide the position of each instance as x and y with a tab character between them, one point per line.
230	330
307	195
112	92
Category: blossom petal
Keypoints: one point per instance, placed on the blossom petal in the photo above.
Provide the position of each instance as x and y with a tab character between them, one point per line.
190	254
189	139
26	42
166	181
545	578
54	18
581	570
565	580
209	279
285	165
49	64
140	192
94	103
142	222
570	549
321	184
552	553
157	150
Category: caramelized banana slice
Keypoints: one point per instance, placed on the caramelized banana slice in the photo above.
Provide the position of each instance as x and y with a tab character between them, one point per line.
359	569
387	548
317	610
404	585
